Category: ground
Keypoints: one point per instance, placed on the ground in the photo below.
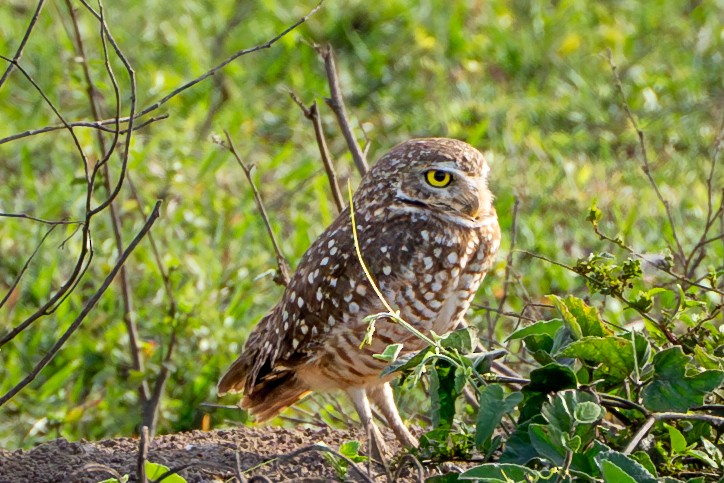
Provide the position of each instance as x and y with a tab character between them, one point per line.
212	455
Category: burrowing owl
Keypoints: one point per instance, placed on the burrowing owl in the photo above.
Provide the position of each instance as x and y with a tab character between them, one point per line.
428	233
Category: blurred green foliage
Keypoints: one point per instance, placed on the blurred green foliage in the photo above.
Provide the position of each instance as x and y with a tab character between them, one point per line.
529	83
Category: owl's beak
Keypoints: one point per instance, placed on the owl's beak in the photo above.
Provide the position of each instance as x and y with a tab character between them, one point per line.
480	205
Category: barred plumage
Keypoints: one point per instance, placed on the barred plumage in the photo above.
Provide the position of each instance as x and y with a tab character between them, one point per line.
428	233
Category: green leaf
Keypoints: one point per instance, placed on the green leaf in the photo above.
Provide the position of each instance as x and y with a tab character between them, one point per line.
594	214
540	347
518	448
560	412
551	378
493	405
463	340
350	449
407	362
583	319
614	354
643	458
671	389
626	464
442	394
544	327
500	472
568	318
706	360
702	456
124	479
446	478
390	353
678	441
548	442
462	376
614	474
573	444
588	412
154	471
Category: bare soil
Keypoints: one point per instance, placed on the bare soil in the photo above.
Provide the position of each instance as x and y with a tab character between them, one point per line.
212	456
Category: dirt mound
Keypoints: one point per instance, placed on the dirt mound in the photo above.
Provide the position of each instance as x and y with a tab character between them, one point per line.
212	456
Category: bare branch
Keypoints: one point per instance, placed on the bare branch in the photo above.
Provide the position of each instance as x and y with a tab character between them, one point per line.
223	64
662	268
282	277
97	468
717	421
52	107
86	309
314	447
645	158
100	125
693	263
508	268
336	103
91	93
21	47
660	325
168	97
144	441
312	113
25	267
40	220
412	461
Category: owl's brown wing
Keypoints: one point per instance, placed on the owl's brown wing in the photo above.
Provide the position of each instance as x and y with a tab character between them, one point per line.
290	334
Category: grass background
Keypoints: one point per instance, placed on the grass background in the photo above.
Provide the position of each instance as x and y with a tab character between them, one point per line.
528	83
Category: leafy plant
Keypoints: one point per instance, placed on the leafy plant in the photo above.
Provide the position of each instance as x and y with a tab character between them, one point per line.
350	449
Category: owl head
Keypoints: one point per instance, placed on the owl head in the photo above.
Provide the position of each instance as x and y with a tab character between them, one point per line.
443	176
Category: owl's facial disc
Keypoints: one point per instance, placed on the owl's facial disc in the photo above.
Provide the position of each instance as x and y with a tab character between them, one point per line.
442	187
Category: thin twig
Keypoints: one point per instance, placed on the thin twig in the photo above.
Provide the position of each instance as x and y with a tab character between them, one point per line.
665	330
86	309
143	444
336	103
97	468
661	267
508	268
623	403
99	125
91	90
50	104
40	220
514	315
106	34
282	276
410	460
711	215
151	408
645	158
166	98
312	113
25	266
314	447
77	273
669	416
21	47
223	64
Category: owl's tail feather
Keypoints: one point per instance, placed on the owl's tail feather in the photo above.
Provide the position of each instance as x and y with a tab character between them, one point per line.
273	394
234	380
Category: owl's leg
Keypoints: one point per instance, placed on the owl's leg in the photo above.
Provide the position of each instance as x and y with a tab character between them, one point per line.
384	399
374	436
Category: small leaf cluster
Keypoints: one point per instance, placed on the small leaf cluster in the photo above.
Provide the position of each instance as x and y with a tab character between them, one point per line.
602	403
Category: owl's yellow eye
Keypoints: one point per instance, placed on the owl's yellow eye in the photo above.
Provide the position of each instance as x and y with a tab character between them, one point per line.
437	178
